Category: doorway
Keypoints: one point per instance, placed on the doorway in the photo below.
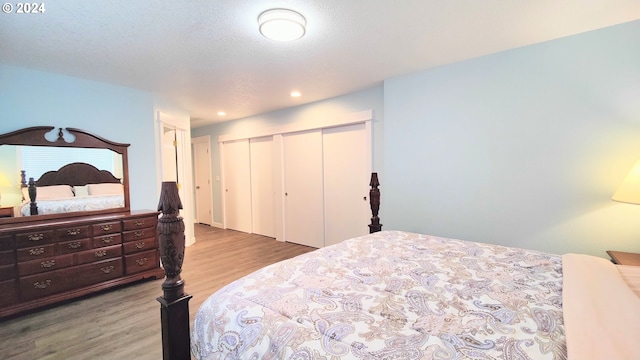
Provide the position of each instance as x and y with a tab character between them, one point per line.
202	180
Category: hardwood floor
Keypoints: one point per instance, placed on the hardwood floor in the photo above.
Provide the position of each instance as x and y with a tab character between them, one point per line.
124	324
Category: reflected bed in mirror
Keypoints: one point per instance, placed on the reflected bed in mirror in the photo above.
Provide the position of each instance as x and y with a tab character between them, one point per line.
74	187
72	173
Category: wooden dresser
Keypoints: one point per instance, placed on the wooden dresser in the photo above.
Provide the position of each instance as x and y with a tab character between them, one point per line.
42	263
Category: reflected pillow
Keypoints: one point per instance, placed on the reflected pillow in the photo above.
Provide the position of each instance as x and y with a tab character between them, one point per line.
52	192
81	190
105	189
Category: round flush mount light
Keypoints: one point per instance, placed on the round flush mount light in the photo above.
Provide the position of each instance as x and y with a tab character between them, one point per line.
282	24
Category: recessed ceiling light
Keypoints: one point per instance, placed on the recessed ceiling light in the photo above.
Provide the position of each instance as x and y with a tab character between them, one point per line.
282	24
222	113
295	94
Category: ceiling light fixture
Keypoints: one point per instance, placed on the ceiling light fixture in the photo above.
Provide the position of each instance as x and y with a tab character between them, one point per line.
295	94
282	24
222	113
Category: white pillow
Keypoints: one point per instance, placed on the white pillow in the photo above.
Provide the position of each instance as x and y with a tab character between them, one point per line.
52	192
631	275
81	190
105	189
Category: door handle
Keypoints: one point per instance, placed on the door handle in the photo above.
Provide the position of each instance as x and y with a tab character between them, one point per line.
197	187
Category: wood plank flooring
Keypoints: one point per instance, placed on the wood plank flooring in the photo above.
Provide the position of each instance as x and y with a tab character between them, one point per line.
124	324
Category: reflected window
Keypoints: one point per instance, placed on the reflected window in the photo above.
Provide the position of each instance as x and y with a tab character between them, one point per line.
36	160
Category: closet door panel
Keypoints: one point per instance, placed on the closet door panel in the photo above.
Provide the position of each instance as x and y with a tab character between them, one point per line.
262	189
347	170
303	188
237	185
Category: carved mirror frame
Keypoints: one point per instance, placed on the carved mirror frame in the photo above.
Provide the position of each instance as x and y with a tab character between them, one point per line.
36	136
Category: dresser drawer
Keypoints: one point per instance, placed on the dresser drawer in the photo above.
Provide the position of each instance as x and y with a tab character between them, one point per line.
106	228
99	254
8	272
74	246
107	240
6	243
42	265
135	235
140	223
140	245
8	293
45	284
141	261
71	233
7	257
99	272
31	239
37	252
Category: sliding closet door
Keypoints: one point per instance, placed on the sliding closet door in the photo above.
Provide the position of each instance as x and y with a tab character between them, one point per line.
347	171
262	189
303	188
237	185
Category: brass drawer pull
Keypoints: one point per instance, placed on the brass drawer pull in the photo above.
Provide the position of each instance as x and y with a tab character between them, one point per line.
107	240
106	227
142	261
138	233
107	269
35	237
36	251
140	245
100	253
47	264
75	245
73	232
139	222
42	284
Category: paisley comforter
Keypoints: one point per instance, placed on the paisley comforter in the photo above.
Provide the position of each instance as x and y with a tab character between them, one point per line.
76	203
391	295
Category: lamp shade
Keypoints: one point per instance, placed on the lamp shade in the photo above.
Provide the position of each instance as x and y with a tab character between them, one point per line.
629	190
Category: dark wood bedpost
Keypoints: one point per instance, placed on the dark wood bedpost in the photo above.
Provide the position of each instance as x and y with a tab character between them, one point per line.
174	304
33	206
374	201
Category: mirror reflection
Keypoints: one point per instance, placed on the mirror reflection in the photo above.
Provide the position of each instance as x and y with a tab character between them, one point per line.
79	189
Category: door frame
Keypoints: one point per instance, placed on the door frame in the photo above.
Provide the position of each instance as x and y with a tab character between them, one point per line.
179	123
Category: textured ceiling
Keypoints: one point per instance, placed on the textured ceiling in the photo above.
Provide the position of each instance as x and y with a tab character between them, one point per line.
207	56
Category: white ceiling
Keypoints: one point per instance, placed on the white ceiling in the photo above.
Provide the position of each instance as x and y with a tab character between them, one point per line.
207	55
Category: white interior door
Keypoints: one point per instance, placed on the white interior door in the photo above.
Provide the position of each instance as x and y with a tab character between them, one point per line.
169	154
347	170
237	185
303	190
203	184
262	189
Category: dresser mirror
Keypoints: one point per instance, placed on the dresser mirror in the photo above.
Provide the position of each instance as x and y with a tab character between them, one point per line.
72	172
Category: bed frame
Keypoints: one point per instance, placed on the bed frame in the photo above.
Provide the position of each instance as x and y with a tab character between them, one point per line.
174	304
74	174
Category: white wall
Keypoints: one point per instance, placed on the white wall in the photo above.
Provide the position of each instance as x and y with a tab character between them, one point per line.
368	99
523	148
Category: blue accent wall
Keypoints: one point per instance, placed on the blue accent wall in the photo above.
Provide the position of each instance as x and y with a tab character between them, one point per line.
121	114
522	148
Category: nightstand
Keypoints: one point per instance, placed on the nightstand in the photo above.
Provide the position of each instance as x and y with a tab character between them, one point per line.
6	211
624	258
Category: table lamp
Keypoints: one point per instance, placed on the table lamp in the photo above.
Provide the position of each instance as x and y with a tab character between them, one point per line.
629	191
4	183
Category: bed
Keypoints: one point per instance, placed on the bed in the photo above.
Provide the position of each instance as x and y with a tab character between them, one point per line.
74	187
402	295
